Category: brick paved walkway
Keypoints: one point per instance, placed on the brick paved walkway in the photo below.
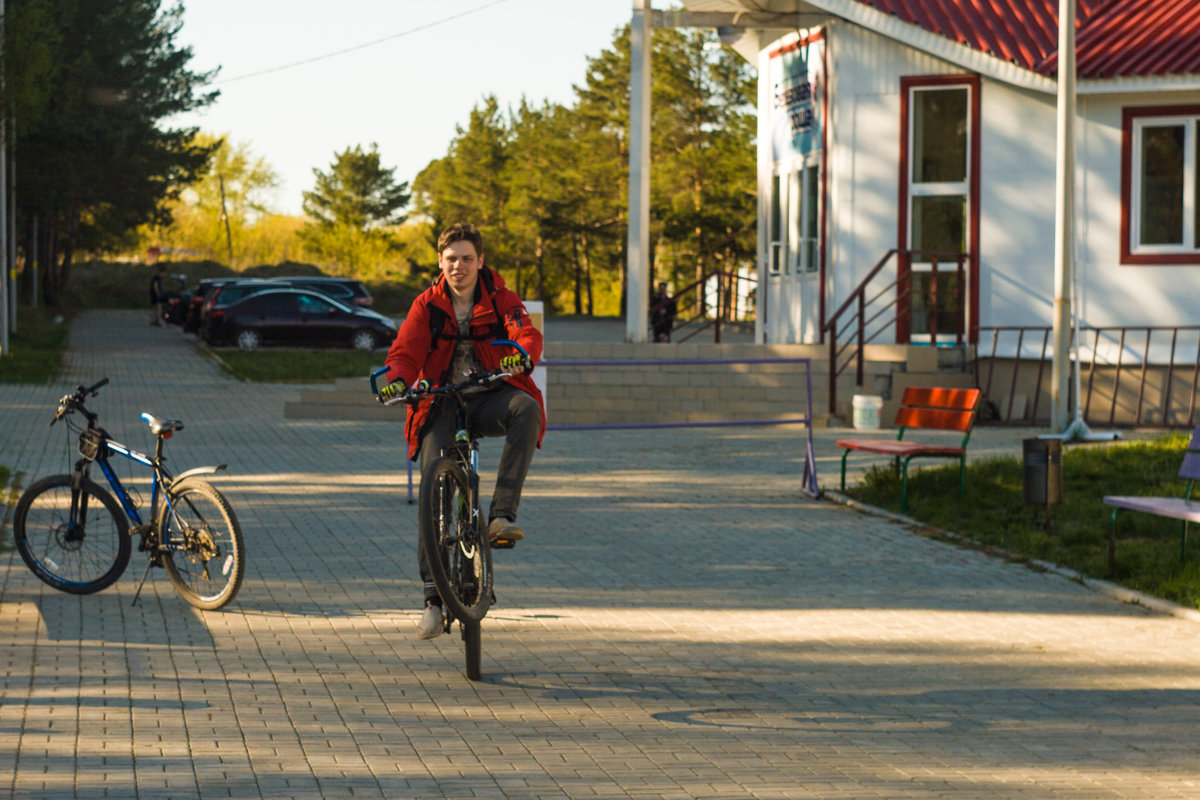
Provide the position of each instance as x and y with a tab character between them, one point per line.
682	622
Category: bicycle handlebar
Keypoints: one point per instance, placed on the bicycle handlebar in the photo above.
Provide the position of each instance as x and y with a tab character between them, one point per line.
479	379
74	401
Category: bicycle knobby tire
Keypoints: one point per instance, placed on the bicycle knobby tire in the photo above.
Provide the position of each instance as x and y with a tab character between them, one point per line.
81	560
206	559
460	559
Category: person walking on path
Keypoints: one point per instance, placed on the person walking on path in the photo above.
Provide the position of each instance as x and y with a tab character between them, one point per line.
446	335
662	314
156	295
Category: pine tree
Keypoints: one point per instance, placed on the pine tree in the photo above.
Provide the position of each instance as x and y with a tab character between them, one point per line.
94	158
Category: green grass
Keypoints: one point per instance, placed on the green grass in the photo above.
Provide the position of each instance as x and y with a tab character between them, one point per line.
36	348
994	513
298	366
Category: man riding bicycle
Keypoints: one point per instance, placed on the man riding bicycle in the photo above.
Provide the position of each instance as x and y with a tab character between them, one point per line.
447	335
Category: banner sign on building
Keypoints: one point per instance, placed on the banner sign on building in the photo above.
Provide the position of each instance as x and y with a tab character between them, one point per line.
797	84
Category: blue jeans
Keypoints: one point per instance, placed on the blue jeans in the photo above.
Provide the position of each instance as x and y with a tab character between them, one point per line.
506	411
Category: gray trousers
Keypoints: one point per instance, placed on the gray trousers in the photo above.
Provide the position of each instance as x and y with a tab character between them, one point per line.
506	411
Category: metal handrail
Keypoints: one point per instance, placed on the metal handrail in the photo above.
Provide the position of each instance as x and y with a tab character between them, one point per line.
723	304
1142	414
858	321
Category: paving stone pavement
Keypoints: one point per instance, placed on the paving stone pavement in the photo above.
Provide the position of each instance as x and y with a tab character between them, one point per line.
681	622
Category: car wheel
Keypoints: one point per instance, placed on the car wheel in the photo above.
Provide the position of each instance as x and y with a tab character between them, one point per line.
249	339
363	340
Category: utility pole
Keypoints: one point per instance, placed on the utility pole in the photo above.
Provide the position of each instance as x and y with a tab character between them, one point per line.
1064	215
225	217
33	260
5	288
637	270
12	239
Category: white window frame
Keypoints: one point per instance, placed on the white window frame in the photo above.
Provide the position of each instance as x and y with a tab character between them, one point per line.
941	188
1191	237
808	184
777	224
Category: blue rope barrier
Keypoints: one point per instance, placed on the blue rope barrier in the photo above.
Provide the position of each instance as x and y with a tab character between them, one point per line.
808	481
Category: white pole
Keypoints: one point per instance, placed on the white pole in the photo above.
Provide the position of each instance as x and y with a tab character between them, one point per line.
1064	213
637	270
33	261
12	238
4	285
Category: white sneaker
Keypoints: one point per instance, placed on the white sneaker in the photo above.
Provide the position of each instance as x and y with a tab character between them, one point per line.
501	528
433	623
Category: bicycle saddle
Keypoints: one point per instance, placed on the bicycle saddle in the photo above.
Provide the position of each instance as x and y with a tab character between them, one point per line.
158	425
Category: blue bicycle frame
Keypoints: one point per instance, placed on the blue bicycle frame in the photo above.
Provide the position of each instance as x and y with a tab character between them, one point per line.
161	480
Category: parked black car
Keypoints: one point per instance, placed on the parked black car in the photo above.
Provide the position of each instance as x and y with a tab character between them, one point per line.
195	301
301	318
225	295
350	291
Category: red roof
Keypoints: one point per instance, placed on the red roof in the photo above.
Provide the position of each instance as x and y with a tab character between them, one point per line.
1114	38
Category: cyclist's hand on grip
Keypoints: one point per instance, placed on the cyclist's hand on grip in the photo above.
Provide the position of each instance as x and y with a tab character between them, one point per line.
392	390
516	364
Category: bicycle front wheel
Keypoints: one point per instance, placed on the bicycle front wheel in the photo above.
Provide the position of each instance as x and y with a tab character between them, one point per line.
460	559
204	556
472	647
81	555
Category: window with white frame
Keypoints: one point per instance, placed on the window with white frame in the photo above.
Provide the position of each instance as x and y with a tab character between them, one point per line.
775	219
794	216
1161	209
810	232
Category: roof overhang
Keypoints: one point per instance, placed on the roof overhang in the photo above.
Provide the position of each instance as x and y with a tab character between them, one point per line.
748	16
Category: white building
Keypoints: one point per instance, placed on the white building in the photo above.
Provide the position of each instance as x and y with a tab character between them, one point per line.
929	125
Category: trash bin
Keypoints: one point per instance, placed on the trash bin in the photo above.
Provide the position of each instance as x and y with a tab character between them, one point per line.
1043	471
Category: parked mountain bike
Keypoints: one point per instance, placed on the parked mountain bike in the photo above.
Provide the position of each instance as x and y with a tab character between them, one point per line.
75	536
454	531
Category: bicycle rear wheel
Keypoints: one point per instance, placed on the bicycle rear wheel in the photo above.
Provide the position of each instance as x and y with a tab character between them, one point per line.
205	556
460	559
79	558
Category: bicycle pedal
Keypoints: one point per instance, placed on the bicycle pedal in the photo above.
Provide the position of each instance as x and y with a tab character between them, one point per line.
503	544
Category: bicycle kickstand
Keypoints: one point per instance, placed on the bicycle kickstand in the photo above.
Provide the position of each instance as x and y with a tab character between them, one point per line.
142	582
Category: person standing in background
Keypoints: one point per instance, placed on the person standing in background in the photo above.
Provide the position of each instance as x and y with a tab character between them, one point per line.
156	295
662	314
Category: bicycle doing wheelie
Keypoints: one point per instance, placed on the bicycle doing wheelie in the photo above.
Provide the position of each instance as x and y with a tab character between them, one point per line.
75	536
454	532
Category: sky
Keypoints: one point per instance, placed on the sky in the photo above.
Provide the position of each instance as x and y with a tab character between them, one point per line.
413	71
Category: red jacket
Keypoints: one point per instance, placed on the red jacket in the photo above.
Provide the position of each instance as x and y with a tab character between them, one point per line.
416	354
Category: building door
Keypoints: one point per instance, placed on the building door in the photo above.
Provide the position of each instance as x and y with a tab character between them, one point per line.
794	252
939	220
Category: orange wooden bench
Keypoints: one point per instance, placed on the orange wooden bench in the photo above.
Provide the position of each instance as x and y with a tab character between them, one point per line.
924	409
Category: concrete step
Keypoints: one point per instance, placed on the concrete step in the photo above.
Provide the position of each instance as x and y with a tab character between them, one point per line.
717	383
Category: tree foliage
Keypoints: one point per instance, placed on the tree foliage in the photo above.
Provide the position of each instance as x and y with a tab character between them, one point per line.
351	209
225	214
93	156
548	184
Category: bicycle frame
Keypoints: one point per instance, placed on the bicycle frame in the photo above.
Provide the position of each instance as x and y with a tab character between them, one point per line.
161	475
159	483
